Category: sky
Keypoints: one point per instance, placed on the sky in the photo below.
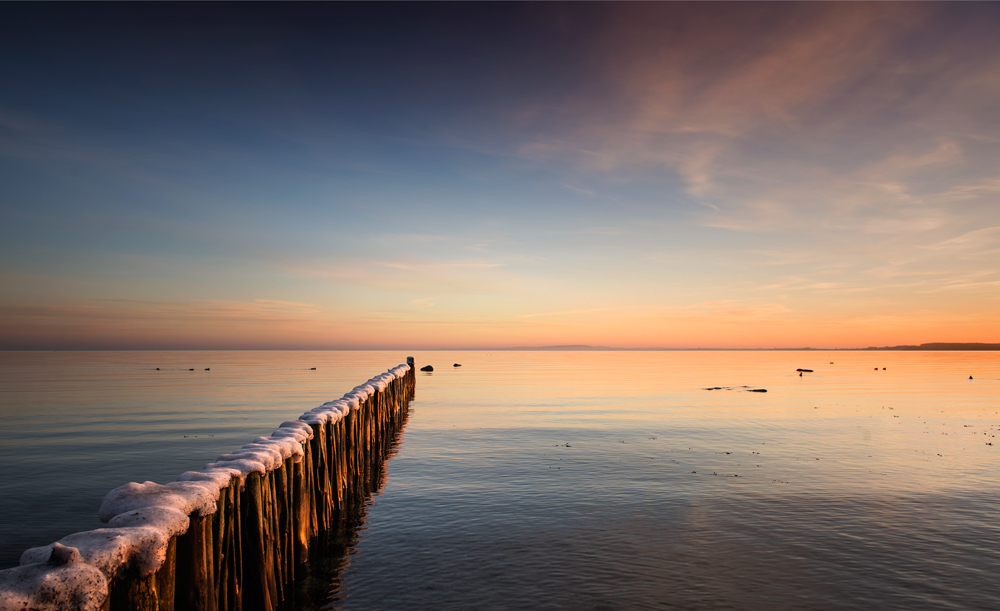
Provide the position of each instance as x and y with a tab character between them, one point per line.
652	175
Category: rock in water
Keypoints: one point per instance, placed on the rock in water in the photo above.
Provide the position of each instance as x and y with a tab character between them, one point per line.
426	368
457	365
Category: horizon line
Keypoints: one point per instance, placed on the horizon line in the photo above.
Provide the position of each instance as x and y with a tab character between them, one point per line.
954	346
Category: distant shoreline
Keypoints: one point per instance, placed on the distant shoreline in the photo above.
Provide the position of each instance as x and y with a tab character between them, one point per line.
938	346
942	346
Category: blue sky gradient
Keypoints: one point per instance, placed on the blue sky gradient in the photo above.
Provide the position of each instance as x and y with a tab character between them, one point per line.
478	175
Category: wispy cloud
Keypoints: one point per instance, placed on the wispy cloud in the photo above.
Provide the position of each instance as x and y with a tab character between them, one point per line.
973	240
798	130
579	190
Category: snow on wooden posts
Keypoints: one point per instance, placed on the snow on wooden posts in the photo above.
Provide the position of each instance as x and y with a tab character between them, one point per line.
231	536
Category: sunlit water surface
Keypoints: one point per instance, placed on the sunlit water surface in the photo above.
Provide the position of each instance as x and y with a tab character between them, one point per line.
568	480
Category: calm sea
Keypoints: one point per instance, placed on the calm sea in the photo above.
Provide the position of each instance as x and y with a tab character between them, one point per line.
567	480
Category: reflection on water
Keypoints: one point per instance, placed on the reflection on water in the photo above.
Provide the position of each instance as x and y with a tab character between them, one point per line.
613	480
318	583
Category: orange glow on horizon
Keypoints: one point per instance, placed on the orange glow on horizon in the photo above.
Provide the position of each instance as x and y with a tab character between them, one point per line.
293	326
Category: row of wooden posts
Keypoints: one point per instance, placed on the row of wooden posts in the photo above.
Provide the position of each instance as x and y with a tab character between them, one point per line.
245	556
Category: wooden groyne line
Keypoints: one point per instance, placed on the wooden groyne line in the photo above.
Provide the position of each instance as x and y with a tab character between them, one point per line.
232	536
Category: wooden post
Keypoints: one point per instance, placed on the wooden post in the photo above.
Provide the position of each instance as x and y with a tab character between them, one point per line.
270	534
256	594
165	578
194	578
218	525
235	581
299	500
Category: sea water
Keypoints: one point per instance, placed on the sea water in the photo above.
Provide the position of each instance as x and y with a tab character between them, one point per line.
567	480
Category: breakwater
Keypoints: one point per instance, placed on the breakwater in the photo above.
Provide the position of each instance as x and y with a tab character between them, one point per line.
231	536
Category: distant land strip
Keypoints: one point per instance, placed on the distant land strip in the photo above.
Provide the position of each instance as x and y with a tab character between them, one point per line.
941	346
583	347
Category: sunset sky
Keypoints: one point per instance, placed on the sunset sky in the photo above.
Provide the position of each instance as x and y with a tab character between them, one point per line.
492	175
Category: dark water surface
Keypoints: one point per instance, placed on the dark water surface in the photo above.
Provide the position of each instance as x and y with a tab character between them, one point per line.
568	480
